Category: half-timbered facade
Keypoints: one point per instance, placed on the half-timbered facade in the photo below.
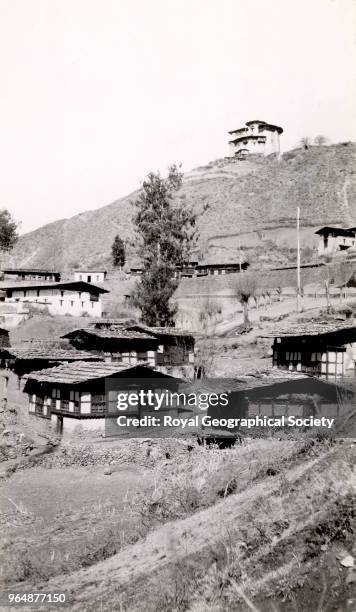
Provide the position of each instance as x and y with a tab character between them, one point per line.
322	349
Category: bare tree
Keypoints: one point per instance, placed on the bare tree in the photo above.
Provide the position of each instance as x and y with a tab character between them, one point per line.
245	287
327	274
321	140
343	274
305	142
205	349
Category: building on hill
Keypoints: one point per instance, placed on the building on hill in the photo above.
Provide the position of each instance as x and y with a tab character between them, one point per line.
85	394
334	239
215	269
74	297
90	275
187	270
31	274
257	137
324	349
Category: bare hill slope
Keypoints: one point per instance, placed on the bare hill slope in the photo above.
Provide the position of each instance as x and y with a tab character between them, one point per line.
252	205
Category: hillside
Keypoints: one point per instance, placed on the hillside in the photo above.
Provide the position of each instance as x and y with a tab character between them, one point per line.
252	205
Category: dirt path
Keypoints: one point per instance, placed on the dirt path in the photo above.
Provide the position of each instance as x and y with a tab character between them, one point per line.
287	306
174	541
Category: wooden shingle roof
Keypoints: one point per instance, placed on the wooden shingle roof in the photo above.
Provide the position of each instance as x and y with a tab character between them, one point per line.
310	328
243	383
115	331
33	352
80	372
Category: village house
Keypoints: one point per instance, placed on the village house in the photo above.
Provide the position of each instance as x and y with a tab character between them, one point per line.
30	274
216	269
186	270
175	353
18	361
71	297
257	137
115	343
85	394
323	349
334	239
91	275
136	271
272	394
169	350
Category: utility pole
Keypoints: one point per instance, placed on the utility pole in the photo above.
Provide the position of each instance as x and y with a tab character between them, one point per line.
299	296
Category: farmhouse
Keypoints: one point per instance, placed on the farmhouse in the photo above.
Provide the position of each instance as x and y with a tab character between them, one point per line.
257	137
167	349
85	393
334	239
115	343
30	274
215	269
175	350
18	361
73	297
323	349
90	275
272	394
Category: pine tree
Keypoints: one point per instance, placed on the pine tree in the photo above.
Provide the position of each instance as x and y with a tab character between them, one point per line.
8	230
165	232
118	252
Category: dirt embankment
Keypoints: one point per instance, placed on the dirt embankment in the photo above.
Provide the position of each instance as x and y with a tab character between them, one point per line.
272	530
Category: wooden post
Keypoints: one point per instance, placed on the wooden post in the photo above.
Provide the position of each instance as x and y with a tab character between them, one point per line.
299	297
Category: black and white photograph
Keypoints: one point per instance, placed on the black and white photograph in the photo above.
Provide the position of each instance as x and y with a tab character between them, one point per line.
178	305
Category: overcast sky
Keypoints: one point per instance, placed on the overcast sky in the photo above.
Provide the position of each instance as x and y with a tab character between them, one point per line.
96	93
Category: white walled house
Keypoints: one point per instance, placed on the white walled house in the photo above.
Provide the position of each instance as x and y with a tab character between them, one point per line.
90	275
74	298
257	137
334	239
85	393
326	350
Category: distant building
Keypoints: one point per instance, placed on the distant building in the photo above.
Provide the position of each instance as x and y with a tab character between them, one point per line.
30	274
323	349
86	393
136	271
257	137
72	297
215	269
334	239
91	275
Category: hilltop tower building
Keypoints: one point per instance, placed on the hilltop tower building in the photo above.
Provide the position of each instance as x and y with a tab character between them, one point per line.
258	137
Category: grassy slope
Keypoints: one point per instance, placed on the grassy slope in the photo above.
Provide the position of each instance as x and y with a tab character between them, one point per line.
254	195
271	534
